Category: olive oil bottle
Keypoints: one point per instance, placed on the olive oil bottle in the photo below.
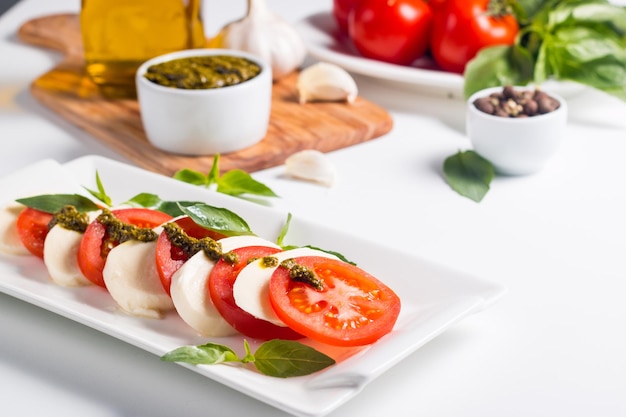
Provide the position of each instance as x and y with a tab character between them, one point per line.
119	35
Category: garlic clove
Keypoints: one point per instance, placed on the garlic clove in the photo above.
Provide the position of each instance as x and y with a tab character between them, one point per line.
265	34
326	82
311	165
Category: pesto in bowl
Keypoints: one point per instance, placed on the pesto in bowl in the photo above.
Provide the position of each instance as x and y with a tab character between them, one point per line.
202	72
214	100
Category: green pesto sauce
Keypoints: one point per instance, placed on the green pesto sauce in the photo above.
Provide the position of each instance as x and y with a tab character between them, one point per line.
118	231
269	262
301	273
203	72
191	245
230	257
70	218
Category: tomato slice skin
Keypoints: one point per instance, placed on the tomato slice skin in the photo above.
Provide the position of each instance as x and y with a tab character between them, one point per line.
170	258
92	253
221	281
353	308
32	229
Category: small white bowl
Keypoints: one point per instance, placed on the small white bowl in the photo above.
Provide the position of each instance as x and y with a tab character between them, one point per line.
516	146
206	121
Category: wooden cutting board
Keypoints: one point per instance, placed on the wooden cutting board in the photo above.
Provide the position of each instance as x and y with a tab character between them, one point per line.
117	123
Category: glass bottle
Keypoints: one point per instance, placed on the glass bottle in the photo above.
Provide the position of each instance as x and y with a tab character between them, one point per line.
118	35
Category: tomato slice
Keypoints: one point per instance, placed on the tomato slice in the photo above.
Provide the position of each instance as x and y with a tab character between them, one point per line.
93	251
32	229
221	281
170	258
352	309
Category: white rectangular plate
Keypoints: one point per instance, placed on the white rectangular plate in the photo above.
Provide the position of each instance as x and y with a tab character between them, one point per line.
433	297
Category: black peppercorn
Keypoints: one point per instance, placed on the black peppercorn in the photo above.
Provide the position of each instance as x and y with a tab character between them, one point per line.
517	103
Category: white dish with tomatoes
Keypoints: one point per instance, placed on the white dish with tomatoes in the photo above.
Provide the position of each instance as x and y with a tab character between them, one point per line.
190	298
325	42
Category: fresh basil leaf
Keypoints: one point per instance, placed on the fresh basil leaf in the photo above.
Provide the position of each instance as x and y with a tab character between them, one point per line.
586	55
284	230
207	354
528	8
153	201
277	358
52	203
214	174
191	177
587	12
469	174
249	356
146	200
283	233
100	193
234	182
286	358
337	254
496	66
565	40
217	219
238	182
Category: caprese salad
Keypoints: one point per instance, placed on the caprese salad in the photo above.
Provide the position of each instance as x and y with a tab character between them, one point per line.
203	263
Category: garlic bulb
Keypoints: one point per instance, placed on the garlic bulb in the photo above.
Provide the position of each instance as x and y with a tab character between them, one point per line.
265	34
311	165
326	82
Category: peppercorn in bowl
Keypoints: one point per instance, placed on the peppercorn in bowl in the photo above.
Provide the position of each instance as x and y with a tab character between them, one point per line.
204	101
518	129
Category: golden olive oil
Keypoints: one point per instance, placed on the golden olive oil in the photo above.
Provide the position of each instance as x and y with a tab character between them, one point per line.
119	35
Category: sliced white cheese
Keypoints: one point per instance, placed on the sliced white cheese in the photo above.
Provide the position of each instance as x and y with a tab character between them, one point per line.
132	279
60	255
190	294
251	289
10	242
60	251
191	299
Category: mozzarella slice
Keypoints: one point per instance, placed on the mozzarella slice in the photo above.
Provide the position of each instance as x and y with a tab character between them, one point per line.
60	251
251	289
190	294
132	279
10	242
60	255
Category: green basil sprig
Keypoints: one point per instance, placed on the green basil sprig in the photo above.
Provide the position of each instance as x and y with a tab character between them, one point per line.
153	201
100	193
277	358
568	40
469	174
52	203
283	233
218	219
234	182
213	218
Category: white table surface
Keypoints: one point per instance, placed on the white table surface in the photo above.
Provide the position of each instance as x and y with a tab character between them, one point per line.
554	345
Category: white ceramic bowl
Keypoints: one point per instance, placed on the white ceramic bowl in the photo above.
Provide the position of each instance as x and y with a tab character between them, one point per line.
207	121
516	146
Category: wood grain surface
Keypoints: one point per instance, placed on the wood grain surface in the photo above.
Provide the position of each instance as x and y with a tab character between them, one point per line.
67	91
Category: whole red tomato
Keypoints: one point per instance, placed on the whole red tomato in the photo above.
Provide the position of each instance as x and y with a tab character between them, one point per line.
341	11
395	31
463	27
